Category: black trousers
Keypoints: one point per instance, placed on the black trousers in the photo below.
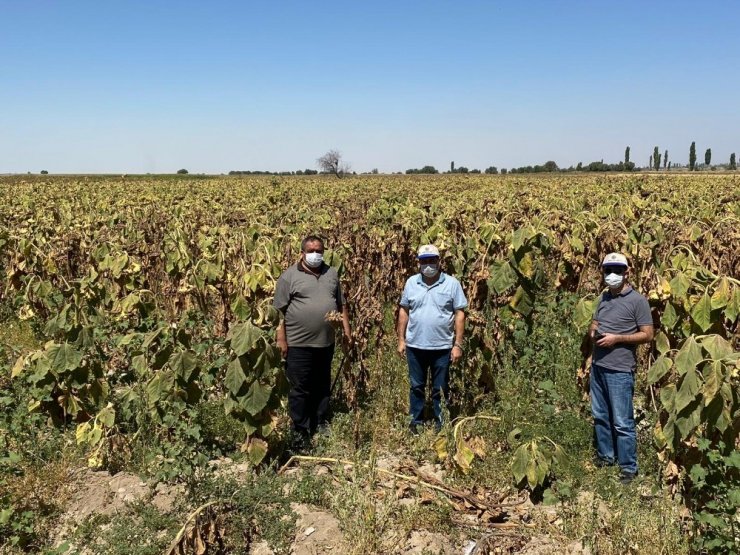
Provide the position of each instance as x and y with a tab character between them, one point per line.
308	370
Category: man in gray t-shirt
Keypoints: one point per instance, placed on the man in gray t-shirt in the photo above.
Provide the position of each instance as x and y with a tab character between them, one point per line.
621	321
305	293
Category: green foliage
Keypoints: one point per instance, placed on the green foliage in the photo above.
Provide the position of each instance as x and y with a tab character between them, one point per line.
692	156
715	485
535	459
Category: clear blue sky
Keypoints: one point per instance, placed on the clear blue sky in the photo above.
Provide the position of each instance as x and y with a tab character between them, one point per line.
154	86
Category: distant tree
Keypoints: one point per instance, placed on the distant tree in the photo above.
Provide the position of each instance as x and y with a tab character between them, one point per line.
627	156
551	166
183	171
656	158
504	171
692	156
494	170
475	170
708	157
733	164
651	162
461	169
331	162
665	160
669	165
579	167
452	167
374	171
44	172
425	169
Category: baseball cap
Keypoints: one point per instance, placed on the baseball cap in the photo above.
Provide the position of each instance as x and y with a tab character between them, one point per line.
427	251
615	259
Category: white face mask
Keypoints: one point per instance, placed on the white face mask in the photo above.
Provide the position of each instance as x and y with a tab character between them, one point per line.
614	280
429	270
313	259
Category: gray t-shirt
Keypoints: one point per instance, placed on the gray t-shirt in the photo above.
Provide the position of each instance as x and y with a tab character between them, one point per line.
305	299
623	314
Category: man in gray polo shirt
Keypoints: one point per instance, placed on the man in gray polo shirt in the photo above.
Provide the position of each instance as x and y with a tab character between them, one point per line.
621	321
431	322
305	293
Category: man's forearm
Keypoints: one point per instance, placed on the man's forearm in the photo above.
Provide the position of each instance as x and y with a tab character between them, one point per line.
403	320
459	326
637	338
281	331
345	322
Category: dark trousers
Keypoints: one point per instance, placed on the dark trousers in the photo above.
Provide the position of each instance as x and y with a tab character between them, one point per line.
422	362
308	370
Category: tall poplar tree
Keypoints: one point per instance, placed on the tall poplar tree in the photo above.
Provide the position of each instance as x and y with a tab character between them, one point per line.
692	156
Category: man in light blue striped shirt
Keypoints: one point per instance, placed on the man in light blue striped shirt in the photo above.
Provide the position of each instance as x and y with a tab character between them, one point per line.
431	322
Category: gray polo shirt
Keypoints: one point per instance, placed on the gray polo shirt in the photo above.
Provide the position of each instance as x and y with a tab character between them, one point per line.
305	299
623	314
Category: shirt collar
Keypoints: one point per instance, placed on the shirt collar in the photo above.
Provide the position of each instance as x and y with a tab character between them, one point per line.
322	269
420	280
623	293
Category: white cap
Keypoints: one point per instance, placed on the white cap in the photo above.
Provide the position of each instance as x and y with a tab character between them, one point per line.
427	251
615	259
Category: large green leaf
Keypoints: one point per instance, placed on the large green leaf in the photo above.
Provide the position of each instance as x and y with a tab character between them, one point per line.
503	277
63	358
713	379
722	294
688	356
687	392
661	343
256	450
183	363
522	301
257	397
701	313
717	347
235	378
584	313
668	397
669	316
243	337
680	285
520	461
659	368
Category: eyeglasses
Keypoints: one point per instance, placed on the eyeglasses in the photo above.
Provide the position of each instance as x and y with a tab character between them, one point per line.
619	270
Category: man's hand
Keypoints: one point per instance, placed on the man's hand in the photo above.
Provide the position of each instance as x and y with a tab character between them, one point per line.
456	354
608	340
283	346
401	348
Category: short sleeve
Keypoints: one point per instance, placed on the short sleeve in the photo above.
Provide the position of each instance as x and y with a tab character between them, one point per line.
643	316
459	301
404	302
282	294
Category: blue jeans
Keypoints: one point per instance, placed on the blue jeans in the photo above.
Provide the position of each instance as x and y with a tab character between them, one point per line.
421	363
614	419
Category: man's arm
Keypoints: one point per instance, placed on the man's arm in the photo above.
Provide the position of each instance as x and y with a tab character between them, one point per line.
643	335
457	352
403	321
592	329
347	330
282	340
